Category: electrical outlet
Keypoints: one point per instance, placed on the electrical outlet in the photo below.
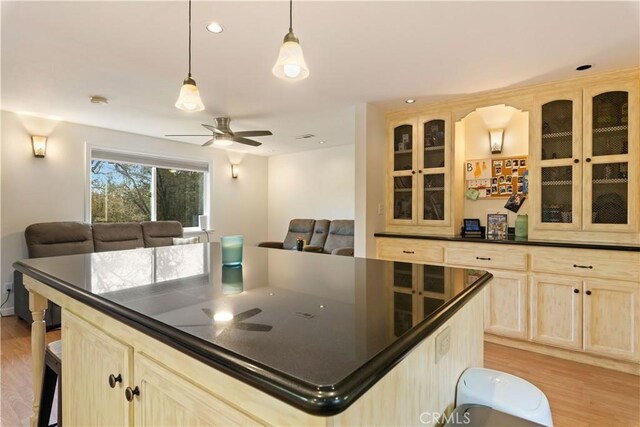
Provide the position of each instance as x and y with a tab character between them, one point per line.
7	287
443	343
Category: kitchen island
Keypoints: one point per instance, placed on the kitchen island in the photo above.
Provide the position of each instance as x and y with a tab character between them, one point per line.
169	336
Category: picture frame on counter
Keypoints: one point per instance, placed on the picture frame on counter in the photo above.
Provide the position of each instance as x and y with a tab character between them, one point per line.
497	226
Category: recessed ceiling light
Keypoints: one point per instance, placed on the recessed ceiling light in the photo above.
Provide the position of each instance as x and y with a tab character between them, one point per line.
410	101
98	100
215	28
583	67
320	142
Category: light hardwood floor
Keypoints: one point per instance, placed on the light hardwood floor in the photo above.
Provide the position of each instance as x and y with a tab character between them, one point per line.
580	395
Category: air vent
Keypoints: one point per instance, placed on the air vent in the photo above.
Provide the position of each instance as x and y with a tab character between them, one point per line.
305	136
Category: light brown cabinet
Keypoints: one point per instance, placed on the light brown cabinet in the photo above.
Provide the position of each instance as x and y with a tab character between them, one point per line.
585	155
90	358
506	305
420	172
108	383
599	317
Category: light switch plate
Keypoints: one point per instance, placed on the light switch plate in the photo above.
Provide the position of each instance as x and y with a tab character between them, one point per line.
380	208
443	343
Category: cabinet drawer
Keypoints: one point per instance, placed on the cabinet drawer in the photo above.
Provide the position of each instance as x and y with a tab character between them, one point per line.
486	257
587	263
411	250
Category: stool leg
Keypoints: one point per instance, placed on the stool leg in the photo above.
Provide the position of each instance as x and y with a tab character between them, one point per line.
46	397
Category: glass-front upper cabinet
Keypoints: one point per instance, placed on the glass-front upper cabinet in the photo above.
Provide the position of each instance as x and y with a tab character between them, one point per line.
558	153
403	171
433	170
610	158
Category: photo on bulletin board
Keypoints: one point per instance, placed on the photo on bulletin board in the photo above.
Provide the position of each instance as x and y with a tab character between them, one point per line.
496	178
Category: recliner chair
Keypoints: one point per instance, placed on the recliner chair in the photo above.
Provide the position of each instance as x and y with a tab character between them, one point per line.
298	229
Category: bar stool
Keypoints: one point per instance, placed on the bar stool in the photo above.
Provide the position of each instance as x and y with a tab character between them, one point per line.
52	375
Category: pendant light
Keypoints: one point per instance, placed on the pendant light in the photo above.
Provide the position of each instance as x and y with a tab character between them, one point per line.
189	98
290	64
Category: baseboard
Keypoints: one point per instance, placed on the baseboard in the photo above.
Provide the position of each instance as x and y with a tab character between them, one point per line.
574	356
7	311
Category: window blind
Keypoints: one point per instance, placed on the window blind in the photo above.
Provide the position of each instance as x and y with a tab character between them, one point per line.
146	160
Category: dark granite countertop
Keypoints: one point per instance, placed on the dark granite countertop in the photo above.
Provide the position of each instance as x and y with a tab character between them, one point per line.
512	240
315	331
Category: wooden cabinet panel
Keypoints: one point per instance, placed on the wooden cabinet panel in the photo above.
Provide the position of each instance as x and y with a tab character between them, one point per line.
612	319
506	305
167	399
587	263
90	356
487	257
410	250
556	311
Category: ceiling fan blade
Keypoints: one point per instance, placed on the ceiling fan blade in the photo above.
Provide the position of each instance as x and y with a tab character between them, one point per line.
209	142
253	133
187	135
247	141
213	129
254	327
246	314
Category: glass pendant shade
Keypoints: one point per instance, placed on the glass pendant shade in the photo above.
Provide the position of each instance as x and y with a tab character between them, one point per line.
189	98
290	64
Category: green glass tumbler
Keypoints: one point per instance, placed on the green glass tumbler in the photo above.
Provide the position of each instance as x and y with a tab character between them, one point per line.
231	247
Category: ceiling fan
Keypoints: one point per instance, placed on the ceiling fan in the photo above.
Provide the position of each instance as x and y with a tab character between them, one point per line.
223	135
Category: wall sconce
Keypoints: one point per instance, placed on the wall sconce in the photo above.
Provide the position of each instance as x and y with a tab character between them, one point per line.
496	137
234	171
39	144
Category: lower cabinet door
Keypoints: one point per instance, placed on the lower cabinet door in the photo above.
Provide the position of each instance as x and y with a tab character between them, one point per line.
90	357
506	305
556	311
168	399
612	319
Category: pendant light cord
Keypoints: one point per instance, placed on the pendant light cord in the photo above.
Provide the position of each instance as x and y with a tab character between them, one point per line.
189	38
290	16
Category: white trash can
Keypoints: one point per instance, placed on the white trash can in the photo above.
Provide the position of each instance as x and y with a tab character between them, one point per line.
504	392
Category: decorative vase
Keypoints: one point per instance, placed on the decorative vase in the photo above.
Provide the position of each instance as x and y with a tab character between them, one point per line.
522	225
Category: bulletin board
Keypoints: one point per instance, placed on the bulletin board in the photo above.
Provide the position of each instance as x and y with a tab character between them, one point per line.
497	177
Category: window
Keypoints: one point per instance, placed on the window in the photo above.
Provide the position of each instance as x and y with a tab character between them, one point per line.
133	188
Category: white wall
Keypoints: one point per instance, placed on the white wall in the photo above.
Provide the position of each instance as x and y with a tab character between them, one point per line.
316	184
370	178
476	146
53	189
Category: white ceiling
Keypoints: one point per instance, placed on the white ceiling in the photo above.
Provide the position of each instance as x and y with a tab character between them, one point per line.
56	54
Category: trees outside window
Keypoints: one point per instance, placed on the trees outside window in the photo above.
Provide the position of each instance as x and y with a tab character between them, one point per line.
126	192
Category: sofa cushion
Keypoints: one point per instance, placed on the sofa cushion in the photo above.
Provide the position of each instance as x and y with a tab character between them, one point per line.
160	233
320	232
298	228
58	238
117	236
340	235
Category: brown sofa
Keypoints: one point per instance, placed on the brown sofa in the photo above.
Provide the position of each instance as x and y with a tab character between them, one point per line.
71	238
322	236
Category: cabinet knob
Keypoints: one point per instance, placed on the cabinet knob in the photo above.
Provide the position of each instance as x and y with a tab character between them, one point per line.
129	393
420	171
576	291
413	172
576	160
588	292
113	380
413	292
588	160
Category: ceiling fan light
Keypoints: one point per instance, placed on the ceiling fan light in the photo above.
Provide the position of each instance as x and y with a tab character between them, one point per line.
222	141
189	98
291	64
